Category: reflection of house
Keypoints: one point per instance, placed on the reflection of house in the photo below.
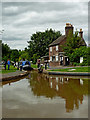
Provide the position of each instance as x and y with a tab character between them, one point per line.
56	54
70	89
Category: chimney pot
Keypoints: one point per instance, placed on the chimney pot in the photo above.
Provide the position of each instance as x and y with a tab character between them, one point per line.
81	33
81	30
68	28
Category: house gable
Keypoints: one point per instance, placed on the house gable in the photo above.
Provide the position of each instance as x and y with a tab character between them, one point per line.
57	56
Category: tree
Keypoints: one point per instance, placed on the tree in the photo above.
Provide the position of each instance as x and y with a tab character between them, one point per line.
35	57
38	45
14	55
80	52
24	55
72	42
71	48
0	50
5	51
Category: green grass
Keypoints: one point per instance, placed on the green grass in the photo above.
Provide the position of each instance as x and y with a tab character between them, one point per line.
33	65
77	69
12	69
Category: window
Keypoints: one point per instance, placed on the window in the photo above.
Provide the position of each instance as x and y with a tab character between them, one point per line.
61	58
50	58
81	59
67	59
56	58
53	58
50	49
57	48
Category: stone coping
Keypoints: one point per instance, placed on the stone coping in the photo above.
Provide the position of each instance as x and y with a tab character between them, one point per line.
20	74
13	75
67	73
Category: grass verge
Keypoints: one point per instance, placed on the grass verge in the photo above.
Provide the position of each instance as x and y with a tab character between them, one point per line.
12	69
33	65
74	69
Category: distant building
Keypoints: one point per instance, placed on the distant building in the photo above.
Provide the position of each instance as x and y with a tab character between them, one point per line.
56	54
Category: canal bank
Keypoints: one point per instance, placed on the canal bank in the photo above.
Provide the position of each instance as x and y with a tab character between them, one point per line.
20	74
64	73
67	73
13	75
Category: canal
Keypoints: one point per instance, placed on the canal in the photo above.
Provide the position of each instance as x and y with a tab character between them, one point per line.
45	96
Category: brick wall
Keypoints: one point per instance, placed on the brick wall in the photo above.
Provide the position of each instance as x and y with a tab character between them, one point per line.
54	63
54	52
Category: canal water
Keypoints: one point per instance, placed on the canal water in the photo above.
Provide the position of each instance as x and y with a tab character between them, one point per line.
45	96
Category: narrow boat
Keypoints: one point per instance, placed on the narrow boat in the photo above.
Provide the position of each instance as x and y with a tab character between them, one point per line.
26	66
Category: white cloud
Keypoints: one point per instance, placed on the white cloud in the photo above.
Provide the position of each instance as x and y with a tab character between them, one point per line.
21	19
11	9
45	1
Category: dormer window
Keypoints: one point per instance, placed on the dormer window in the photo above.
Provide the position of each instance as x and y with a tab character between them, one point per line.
50	49
57	48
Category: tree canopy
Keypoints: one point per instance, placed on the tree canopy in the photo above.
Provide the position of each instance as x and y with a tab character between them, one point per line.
5	51
38	45
8	53
74	49
72	42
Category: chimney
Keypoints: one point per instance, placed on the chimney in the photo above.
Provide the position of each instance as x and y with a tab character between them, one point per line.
68	29
81	33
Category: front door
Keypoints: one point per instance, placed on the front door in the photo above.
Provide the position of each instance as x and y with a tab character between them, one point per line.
61	60
66	61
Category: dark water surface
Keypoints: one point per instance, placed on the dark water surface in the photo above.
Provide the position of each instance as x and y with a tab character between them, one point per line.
44	96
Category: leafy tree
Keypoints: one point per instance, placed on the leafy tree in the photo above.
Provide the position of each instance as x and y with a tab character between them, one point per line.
24	55
5	51
72	42
0	50
14	55
35	57
38	45
79	52
74	49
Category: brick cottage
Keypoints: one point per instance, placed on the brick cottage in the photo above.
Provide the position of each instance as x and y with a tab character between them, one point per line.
56	54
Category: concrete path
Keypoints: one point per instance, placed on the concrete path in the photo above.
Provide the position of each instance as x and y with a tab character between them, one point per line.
12	75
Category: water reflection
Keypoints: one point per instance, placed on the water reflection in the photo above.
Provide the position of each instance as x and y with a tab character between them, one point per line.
71	89
9	82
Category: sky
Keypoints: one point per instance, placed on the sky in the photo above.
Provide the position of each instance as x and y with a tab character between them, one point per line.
21	19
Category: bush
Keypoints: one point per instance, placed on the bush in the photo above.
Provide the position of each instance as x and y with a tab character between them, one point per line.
84	52
76	64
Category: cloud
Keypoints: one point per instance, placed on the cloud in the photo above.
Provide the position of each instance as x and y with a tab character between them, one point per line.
22	19
46	1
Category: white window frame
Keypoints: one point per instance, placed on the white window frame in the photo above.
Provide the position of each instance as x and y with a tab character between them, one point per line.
57	48
57	58
50	49
81	59
50	58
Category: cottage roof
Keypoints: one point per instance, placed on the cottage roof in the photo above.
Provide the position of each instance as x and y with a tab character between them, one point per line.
63	37
58	40
83	42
